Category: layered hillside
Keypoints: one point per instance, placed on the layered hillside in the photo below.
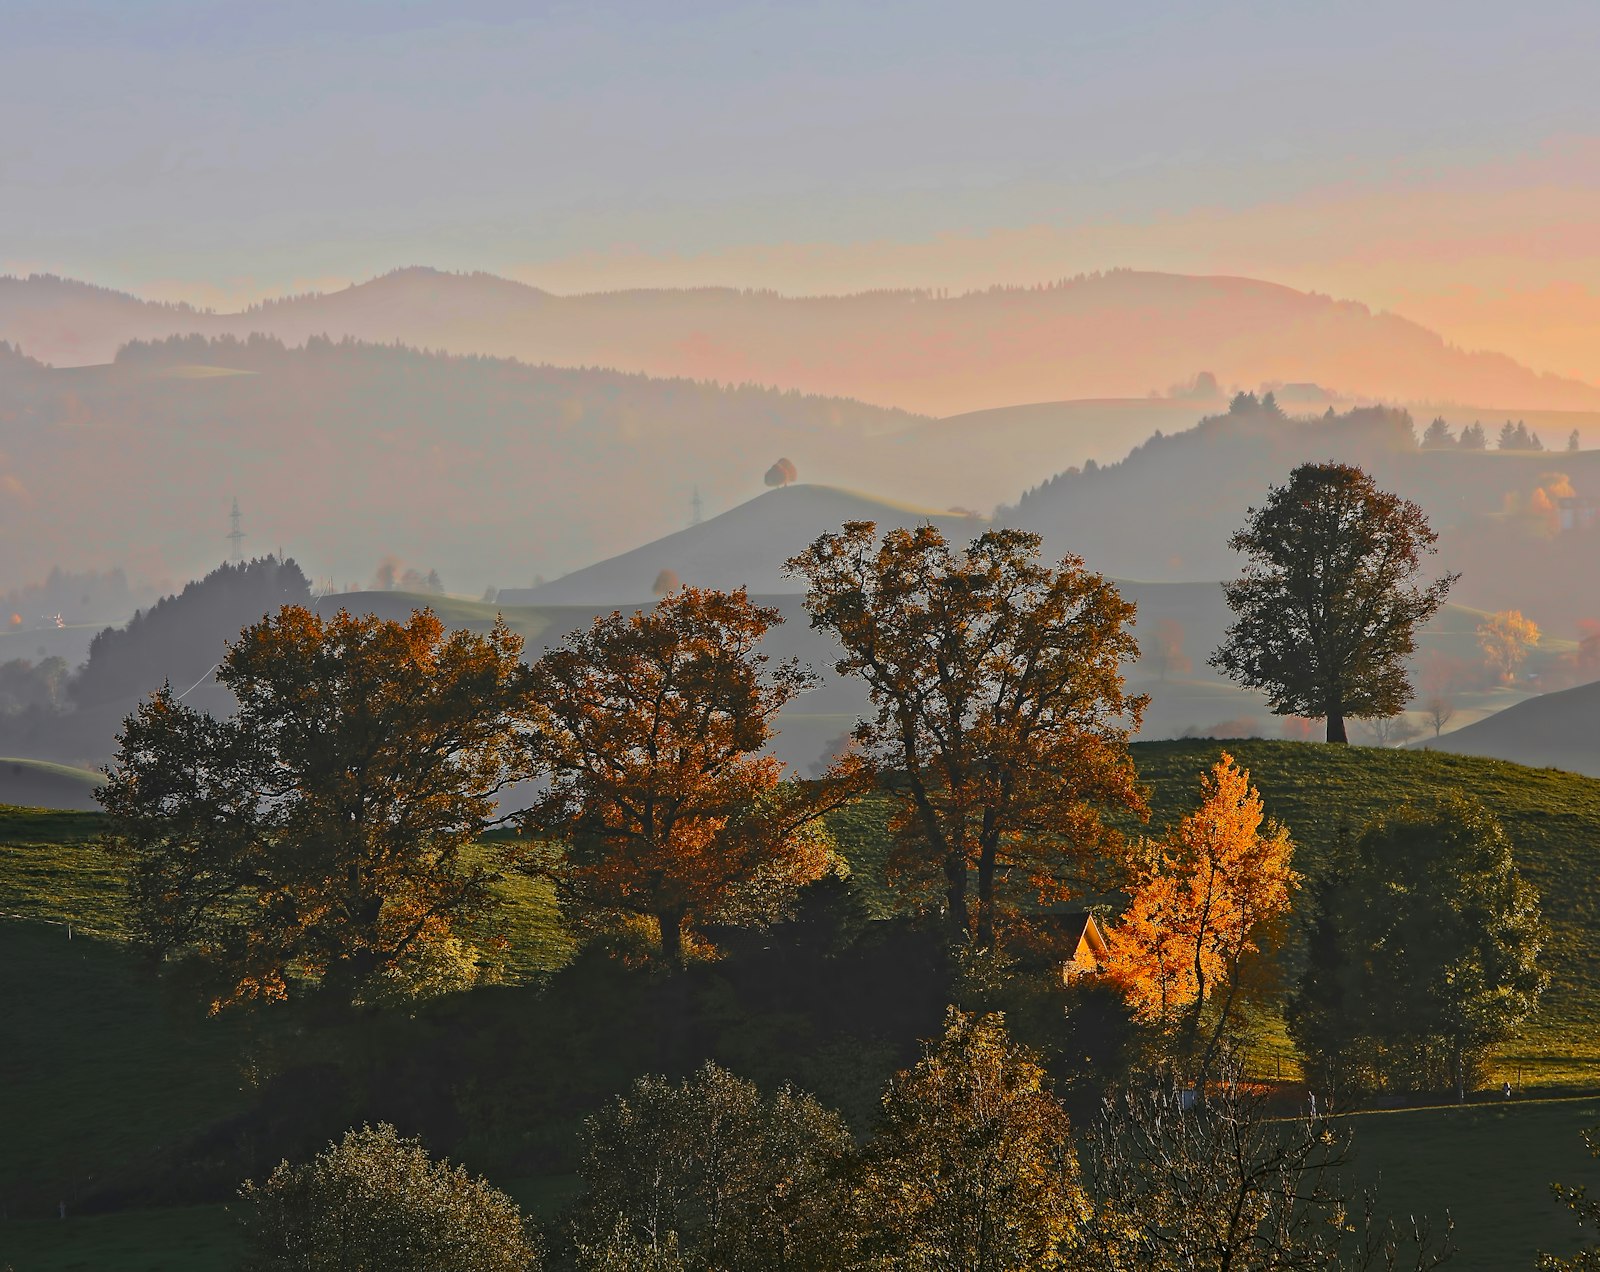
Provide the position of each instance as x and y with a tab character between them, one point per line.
1113	335
344	454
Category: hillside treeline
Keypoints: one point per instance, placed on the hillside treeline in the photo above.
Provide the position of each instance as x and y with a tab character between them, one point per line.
1168	508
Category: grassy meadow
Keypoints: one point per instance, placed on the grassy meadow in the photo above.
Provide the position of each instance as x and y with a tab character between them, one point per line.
107	1070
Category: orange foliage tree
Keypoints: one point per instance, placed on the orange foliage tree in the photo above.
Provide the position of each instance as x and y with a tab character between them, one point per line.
317	834
1002	720
660	804
1205	897
1505	638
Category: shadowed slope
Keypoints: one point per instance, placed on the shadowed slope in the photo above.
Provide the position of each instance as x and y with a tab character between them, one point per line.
1556	730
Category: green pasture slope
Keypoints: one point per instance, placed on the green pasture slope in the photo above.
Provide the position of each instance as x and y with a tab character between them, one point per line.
103	1067
39	783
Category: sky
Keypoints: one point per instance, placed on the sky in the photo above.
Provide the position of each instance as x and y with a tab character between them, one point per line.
1438	159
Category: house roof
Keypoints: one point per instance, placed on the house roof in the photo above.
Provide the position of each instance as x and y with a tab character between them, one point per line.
1076	926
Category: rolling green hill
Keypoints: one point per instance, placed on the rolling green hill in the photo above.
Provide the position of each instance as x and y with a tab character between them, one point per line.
40	784
104	1070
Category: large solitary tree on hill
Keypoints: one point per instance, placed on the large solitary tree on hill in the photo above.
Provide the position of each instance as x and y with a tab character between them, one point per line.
1002	719
1326	611
317	835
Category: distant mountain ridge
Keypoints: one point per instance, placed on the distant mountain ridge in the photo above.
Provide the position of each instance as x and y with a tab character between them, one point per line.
1116	334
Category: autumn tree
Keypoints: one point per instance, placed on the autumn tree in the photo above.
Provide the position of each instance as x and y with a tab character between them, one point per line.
1166	653
1423	952
377	1200
1205	899
660	803
1505	639
318	834
1000	708
666	581
972	1168
1325	612
707	1173
783	473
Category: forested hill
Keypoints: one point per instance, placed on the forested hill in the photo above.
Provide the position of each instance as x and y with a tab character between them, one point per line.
489	471
1118	334
1168	509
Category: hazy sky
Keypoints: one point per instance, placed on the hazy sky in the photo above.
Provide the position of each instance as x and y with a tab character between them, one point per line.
1440	158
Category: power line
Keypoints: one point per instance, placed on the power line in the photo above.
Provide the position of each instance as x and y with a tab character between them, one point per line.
236	535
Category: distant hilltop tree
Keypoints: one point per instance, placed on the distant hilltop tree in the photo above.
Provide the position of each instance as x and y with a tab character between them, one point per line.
1574	444
783	473
1438	435
1325	611
1203	388
666	581
392	576
1473	437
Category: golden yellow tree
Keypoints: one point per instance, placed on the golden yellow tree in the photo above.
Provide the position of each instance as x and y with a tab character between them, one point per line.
1205	897
1505	639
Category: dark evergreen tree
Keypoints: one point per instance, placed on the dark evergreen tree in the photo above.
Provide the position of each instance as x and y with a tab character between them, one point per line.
180	638
1438	435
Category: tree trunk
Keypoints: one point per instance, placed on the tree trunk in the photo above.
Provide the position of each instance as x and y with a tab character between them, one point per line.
1336	731
986	867
955	894
671	924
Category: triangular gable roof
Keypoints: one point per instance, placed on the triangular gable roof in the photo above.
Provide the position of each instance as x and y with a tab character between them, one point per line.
1076	926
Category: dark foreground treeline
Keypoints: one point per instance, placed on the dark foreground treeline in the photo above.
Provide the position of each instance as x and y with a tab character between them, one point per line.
972	1163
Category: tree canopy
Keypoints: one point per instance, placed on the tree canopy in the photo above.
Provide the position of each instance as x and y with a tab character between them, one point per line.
973	1168
707	1172
1325	611
1002	719
376	1200
318	833
660	803
1423	953
1206	898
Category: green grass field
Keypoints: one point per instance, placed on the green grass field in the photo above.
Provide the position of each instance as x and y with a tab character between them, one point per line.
102	1065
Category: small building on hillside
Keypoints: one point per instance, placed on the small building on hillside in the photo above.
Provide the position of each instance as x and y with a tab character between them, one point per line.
1079	933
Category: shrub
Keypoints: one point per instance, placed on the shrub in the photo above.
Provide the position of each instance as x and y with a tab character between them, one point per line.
375	1202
